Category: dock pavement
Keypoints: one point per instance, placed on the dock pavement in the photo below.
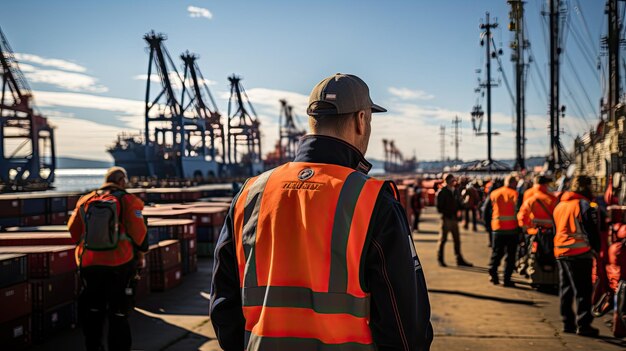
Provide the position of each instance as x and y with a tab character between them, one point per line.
468	312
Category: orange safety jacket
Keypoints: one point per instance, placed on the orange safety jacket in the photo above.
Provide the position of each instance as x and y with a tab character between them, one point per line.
131	225
570	239
536	211
503	201
300	231
531	191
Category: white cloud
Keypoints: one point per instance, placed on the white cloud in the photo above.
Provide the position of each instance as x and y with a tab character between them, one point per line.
408	94
66	80
50	62
80	138
195	12
130	112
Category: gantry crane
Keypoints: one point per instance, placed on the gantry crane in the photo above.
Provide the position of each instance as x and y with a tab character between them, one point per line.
27	150
244	135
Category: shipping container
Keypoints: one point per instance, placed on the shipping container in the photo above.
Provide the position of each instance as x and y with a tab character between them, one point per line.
40	228
36	238
13	269
15	301
164	255
10	207
165	280
47	260
57	204
33	221
55	290
188	248
57	218
47	323
32	205
16	334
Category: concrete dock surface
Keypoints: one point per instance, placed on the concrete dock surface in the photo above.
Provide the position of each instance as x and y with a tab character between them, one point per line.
468	312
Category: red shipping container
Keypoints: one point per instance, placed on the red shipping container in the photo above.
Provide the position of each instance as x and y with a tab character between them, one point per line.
16	334
45	261
32	221
10	206
164	255
72	200
15	301
165	280
208	216
142	289
53	291
37	238
58	218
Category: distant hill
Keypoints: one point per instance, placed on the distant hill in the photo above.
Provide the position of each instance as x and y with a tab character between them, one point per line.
70	162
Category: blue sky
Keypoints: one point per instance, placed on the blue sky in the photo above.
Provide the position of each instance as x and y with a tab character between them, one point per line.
85	61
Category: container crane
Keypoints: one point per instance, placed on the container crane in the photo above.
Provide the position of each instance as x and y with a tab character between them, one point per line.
244	134
27	149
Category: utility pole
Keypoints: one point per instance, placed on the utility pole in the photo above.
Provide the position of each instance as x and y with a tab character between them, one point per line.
442	135
488	84
555	160
613	41
518	45
457	137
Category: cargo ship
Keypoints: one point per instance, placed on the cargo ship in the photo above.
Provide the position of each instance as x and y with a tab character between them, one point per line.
184	137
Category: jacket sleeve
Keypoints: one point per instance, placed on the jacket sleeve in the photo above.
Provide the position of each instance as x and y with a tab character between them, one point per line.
589	215
225	306
400	308
487	213
133	221
523	215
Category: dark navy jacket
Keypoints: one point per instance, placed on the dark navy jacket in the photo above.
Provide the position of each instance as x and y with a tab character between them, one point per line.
400	309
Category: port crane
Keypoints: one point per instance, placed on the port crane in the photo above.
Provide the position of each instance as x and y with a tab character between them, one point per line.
27	149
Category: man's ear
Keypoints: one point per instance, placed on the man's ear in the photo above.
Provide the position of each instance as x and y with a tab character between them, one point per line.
360	122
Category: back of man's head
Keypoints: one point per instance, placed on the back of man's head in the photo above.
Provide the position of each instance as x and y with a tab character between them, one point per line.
115	175
541	180
510	181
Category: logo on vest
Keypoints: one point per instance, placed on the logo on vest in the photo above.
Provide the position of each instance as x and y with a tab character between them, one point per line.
305	174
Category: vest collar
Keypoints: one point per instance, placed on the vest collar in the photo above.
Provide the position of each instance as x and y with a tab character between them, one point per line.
570	195
325	149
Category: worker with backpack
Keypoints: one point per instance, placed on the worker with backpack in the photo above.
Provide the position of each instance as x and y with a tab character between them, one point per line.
110	232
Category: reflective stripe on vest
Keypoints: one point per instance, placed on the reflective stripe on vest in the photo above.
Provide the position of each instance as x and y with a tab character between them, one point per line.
506	218
261	343
541	221
299	247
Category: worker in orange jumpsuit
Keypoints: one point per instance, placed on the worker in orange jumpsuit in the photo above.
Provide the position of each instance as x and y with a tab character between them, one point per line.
505	230
316	255
107	270
576	238
535	217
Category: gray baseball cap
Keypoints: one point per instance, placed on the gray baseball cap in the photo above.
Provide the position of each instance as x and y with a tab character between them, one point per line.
346	92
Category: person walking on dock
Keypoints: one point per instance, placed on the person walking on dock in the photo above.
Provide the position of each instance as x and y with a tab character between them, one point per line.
448	206
504	229
111	234
314	254
417	204
576	237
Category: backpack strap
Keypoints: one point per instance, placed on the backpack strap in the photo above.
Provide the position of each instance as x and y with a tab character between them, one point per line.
119	194
545	209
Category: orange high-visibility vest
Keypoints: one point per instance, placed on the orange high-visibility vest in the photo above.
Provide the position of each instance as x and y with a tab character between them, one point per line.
300	231
536	211
570	239
503	201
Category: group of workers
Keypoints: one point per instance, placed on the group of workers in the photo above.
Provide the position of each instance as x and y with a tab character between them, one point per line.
315	254
528	226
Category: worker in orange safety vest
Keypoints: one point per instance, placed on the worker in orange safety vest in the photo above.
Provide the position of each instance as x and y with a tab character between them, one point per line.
504	228
314	254
110	232
576	238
